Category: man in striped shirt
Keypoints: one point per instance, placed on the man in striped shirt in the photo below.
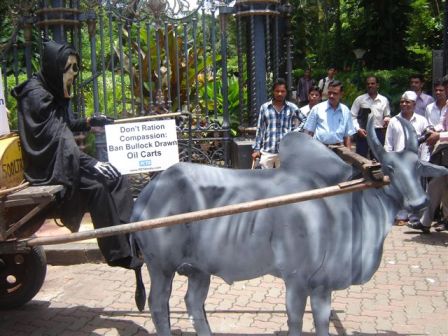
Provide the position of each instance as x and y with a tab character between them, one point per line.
276	118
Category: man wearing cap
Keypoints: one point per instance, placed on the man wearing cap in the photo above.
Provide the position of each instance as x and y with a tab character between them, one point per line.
395	142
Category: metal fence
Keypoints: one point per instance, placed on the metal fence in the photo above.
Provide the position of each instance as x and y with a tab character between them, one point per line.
151	57
139	58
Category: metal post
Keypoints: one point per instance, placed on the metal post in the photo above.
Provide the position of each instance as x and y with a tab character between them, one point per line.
445	39
100	137
58	30
288	36
91	25
224	11
28	32
260	61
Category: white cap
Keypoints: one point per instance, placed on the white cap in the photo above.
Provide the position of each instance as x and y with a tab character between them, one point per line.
409	95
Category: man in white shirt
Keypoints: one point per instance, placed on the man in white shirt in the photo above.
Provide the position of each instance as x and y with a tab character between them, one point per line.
314	98
433	112
438	187
416	83
323	83
395	142
370	103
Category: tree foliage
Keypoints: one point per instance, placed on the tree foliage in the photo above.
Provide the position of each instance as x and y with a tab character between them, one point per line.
393	33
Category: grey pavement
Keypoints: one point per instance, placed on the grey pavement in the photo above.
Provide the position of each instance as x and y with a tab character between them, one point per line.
408	295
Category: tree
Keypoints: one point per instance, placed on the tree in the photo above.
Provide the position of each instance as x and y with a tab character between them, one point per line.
425	32
383	33
395	34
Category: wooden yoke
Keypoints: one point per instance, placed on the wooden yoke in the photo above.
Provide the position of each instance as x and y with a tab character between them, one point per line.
371	170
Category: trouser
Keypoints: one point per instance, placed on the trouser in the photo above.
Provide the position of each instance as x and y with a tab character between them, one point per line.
438	194
110	204
362	147
413	217
269	160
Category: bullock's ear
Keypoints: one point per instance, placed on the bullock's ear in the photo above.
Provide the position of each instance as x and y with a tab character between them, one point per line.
430	170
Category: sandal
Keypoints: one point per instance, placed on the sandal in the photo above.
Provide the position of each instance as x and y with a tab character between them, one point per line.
443	226
419	226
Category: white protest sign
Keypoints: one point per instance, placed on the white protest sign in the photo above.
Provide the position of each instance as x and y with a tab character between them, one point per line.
4	125
142	146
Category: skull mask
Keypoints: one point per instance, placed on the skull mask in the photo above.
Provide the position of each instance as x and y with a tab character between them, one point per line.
70	72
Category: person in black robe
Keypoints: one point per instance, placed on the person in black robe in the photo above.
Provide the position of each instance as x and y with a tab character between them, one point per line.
51	155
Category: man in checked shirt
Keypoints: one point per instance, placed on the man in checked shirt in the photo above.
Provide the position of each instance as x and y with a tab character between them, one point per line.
276	118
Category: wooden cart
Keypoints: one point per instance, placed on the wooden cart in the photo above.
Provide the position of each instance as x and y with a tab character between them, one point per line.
22	268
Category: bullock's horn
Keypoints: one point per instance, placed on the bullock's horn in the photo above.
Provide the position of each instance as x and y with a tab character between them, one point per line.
410	135
374	143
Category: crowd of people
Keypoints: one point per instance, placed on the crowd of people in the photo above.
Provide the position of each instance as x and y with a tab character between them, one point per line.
318	111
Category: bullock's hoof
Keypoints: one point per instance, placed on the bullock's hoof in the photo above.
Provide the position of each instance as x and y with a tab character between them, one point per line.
400	222
419	226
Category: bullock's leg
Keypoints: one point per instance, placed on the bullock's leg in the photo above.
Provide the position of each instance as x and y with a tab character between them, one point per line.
198	285
296	296
321	306
159	300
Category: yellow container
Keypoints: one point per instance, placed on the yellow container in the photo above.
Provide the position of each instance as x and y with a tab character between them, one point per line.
11	173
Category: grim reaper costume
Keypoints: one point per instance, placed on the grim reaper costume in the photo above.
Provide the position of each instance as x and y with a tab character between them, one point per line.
51	155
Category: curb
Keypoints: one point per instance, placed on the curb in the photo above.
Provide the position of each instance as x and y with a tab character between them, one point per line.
73	254
81	252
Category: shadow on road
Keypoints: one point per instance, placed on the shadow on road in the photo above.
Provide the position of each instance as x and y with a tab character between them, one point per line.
38	318
435	238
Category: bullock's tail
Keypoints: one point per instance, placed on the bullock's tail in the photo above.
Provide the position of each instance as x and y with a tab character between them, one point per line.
140	292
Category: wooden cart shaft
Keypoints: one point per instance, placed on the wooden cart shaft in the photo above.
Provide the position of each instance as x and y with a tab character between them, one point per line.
342	188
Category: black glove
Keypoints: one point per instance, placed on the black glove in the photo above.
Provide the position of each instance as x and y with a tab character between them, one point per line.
100	120
106	170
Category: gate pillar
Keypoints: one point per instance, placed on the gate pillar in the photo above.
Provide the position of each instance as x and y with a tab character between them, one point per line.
263	47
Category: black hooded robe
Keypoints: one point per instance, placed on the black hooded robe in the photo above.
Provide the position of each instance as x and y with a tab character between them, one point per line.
51	156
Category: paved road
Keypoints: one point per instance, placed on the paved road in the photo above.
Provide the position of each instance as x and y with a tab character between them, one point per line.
407	296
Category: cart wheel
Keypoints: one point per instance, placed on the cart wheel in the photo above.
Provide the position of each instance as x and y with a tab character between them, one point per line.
21	277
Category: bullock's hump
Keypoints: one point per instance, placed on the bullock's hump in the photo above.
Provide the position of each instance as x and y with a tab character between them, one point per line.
302	154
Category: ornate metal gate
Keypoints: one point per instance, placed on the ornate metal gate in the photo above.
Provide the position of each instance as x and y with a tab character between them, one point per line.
146	57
